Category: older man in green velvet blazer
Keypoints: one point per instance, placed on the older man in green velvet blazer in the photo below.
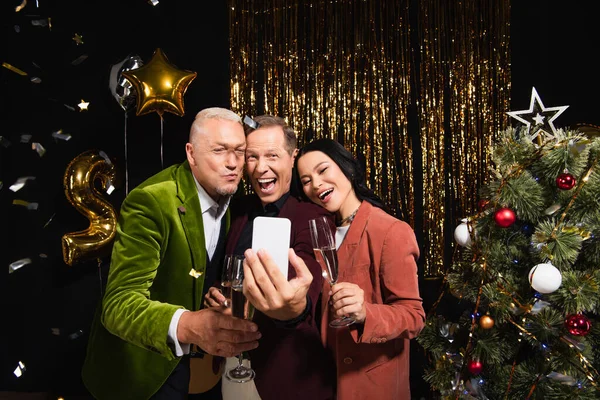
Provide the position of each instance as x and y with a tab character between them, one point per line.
162	255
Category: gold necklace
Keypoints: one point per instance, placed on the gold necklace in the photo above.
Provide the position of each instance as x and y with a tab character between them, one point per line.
349	218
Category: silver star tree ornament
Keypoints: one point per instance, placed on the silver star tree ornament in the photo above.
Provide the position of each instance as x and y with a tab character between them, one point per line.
538	119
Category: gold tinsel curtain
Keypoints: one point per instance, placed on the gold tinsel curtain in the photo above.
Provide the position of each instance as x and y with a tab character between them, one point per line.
415	90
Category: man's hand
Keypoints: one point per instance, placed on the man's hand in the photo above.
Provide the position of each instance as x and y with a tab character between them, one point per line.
217	333
269	291
215	298
348	299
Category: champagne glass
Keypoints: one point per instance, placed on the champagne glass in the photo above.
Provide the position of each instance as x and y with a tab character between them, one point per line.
324	247
240	308
226	275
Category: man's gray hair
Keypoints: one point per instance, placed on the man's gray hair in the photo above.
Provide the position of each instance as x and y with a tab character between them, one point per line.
212	113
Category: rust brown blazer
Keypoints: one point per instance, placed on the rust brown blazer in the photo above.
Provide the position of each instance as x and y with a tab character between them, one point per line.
378	254
290	363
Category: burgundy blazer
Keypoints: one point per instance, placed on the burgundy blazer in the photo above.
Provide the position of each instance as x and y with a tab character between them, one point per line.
378	254
290	363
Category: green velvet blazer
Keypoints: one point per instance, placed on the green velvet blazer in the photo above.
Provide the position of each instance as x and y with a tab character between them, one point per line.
160	238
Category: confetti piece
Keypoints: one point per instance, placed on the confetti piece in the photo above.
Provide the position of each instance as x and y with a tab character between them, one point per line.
153	2
75	335
250	122
4	142
195	273
69	107
17	29
552	209
110	188
83	106
1	185
30	206
14	69
19	370
60	135
78	39
42	255
40	22
25	138
105	156
18	264
35	79
564	379
21	6
48	223
39	148
79	59
18	185
55	331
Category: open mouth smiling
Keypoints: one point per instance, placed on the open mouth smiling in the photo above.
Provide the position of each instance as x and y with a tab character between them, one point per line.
325	193
266	184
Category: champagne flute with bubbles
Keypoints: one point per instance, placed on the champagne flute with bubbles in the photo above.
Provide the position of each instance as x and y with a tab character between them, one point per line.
226	276
324	247
240	308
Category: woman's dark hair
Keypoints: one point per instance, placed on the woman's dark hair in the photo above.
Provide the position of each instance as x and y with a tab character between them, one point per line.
347	163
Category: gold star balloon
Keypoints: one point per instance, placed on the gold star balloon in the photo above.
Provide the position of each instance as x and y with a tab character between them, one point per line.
160	85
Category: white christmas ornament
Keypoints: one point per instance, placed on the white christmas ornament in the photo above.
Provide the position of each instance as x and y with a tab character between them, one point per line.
462	234
545	278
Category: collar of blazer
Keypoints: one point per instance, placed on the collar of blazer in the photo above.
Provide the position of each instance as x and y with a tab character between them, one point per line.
355	233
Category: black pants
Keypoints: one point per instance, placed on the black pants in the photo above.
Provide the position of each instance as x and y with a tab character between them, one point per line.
176	386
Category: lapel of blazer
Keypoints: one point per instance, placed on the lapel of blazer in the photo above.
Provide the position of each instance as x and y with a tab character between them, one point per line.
354	236
190	214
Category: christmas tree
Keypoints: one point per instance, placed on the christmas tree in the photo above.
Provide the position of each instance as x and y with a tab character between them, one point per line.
526	273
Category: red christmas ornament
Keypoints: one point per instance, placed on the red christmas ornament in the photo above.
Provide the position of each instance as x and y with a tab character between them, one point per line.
505	217
475	367
578	324
566	181
482	204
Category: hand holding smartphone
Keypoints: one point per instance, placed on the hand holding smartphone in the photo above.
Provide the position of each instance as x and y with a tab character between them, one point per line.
273	235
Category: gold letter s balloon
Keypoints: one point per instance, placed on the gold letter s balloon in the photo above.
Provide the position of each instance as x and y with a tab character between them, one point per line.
79	179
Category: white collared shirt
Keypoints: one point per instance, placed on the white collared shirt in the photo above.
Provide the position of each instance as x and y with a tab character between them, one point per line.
212	216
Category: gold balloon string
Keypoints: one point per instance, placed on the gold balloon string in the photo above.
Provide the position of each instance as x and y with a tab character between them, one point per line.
99	260
582	183
162	122
468	347
126	168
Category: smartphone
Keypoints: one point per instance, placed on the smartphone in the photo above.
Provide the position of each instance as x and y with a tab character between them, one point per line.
273	235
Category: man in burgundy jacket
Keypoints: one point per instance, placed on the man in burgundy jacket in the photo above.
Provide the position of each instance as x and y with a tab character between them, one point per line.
290	361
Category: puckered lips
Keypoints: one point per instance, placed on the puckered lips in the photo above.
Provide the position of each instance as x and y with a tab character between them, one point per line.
266	184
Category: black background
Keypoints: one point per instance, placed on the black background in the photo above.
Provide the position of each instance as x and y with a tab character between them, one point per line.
46	307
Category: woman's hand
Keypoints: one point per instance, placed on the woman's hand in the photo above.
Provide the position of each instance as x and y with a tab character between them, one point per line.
348	299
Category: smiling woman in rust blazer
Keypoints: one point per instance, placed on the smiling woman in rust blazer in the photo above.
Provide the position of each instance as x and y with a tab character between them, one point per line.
377	285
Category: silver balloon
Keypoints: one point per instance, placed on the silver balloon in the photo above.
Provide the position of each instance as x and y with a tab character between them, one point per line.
119	86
